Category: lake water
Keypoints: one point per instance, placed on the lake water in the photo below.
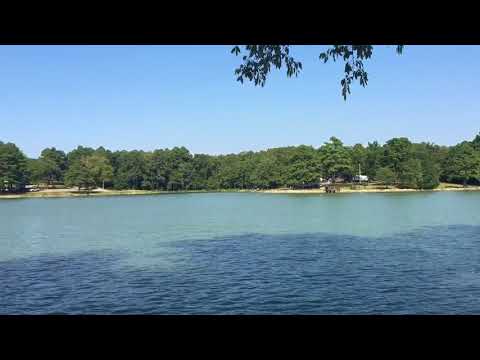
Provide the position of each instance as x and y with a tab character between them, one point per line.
248	253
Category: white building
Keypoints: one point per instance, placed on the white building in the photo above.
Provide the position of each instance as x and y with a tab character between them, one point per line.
360	178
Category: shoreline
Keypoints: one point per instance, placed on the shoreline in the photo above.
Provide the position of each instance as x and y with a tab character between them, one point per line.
359	191
65	193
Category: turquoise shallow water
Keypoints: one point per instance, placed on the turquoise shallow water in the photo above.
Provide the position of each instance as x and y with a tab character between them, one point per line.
242	253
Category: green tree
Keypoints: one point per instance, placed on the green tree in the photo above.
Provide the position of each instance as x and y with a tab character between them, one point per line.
155	170
180	169
50	167
284	157
373	160
230	173
335	159
13	168
204	169
397	152
411	176
301	165
47	171
80	174
100	168
55	164
266	172
89	171
359	158
462	164
78	153
259	59
386	176
476	142
428	155
430	175
37	171
129	169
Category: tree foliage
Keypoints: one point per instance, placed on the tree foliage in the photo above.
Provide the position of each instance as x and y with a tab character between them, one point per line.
373	158
50	167
476	142
385	175
258	61
335	159
89	171
13	168
397	162
463	164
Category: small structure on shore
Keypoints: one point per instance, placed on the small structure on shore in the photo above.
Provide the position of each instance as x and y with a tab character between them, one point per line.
332	188
360	178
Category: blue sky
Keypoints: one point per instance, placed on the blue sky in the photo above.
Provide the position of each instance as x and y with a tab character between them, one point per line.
147	97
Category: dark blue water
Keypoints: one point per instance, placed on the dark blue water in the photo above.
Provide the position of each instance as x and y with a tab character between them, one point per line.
425	270
435	270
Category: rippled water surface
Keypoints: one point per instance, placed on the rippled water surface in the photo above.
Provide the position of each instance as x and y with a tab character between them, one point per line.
242	253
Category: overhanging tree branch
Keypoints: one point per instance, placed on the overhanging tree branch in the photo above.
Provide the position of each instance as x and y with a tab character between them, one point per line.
258	61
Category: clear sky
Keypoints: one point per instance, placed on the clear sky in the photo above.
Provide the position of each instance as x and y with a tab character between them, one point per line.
148	97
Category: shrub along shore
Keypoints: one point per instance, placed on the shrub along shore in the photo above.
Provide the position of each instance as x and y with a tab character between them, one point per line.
398	164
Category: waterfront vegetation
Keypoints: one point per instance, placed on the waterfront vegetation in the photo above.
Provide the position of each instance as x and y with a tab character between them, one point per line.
398	162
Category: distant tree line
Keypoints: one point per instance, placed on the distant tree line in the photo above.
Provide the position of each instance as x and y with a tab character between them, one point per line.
398	162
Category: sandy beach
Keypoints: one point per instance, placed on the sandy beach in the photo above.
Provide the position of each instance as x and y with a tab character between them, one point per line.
349	191
59	193
373	189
